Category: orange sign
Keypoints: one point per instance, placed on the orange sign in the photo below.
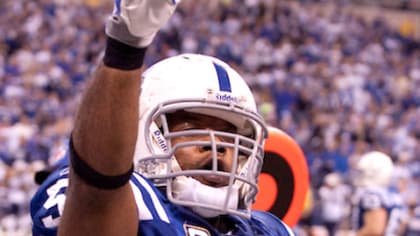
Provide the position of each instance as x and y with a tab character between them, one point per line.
284	179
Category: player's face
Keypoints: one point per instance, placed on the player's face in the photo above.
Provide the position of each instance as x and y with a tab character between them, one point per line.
200	157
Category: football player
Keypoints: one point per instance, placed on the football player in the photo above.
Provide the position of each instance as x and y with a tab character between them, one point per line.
378	208
193	131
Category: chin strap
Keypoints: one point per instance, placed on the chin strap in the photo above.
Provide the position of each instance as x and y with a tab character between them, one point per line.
187	189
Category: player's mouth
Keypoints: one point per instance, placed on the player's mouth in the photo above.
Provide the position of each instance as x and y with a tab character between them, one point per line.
214	180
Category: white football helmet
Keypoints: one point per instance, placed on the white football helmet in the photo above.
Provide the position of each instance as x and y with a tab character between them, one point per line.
202	85
374	169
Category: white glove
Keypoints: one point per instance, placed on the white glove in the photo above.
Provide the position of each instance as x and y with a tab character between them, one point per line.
136	22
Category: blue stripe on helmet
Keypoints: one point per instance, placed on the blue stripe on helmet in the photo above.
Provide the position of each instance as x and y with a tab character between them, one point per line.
117	7
223	77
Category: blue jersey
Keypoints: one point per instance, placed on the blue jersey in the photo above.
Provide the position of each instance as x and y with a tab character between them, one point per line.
367	199
157	215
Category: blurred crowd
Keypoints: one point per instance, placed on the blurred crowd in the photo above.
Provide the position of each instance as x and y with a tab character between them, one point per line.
338	84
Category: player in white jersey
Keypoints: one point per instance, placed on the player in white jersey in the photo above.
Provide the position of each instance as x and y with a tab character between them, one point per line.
378	209
194	134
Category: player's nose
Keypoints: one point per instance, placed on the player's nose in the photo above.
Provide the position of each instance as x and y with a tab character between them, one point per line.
221	150
208	148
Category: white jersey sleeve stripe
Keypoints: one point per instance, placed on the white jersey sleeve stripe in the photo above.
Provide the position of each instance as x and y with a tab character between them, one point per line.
156	203
143	211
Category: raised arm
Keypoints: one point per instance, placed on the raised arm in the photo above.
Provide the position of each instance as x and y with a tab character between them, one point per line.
99	198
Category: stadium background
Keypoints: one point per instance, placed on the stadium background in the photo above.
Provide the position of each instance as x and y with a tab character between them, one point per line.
340	77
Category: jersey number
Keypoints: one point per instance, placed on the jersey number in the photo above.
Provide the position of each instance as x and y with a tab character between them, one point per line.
55	199
191	230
